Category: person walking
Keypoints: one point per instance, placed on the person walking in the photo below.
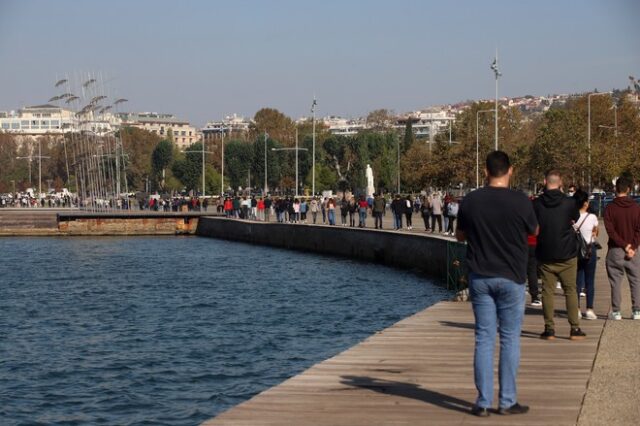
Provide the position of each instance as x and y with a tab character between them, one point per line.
408	211
303	210
353	209
260	208
622	222
363	205
495	222
426	214
532	271
587	225
397	206
268	203
452	214
313	208
331	211
436	212
344	210
556	252
378	209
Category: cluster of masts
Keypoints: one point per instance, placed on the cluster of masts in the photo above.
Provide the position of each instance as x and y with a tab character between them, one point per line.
92	106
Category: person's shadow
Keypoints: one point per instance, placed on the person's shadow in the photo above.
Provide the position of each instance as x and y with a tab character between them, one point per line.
408	390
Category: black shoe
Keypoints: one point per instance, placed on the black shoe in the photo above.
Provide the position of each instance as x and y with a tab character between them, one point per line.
514	409
549	334
479	411
577	334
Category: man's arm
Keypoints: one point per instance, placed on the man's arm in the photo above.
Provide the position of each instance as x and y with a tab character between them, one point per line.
611	230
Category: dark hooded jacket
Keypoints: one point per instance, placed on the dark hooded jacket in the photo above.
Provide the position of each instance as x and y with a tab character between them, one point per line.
556	214
622	221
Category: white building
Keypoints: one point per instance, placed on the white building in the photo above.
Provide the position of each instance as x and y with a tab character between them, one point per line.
232	125
183	133
39	120
343	126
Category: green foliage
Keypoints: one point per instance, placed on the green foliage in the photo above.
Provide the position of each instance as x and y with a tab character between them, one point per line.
408	136
238	161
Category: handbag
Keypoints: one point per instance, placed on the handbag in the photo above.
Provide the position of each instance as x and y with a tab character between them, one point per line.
584	248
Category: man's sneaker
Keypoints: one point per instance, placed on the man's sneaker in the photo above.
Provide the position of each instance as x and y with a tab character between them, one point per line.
558	285
514	409
583	294
548	334
590	315
636	315
480	412
536	302
577	334
616	315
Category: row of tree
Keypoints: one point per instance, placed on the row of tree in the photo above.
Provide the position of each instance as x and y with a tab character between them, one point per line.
557	138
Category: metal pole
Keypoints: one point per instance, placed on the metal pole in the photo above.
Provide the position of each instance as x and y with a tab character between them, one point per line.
589	133
203	177
264	189
449	132
222	167
398	149
496	117
313	137
478	145
297	185
39	167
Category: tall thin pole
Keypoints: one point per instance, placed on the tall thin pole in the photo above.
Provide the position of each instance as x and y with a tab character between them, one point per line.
203	177
297	185
496	71
589	133
264	189
449	132
313	155
398	152
39	167
222	166
478	144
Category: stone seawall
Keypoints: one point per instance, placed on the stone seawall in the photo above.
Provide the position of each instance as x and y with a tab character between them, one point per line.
128	226
439	258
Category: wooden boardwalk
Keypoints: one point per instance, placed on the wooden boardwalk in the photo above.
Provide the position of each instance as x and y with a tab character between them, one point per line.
419	372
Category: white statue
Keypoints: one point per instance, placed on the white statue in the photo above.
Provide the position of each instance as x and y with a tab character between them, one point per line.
370	187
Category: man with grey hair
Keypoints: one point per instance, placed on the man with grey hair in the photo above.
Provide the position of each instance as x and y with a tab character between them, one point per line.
557	253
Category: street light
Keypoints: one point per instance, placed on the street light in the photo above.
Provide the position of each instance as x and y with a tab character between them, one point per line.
39	157
296	149
589	131
497	73
203	165
264	189
313	155
222	166
478	144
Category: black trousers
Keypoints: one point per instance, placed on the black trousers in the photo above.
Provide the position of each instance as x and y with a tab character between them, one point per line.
378	219
436	218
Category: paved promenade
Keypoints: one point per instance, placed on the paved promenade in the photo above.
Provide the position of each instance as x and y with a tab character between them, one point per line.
419	372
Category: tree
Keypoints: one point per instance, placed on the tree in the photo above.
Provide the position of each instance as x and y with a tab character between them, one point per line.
277	125
161	158
380	119
138	145
408	135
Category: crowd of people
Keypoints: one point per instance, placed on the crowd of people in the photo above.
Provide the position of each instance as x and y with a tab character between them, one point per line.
512	239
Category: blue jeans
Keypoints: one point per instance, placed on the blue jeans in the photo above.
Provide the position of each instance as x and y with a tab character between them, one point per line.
363	217
397	220
498	304
332	217
586	277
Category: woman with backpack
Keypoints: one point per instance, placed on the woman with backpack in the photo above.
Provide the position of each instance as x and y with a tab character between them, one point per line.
587	225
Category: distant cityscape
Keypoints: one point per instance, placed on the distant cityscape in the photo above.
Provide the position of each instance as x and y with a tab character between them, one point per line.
53	120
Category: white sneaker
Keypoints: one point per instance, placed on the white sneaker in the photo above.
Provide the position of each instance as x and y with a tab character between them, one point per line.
558	285
583	294
590	315
616	316
636	315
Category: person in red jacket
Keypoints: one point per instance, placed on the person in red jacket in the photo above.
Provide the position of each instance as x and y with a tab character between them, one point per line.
622	221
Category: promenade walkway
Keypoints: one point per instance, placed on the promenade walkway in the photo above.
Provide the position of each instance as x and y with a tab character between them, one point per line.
419	372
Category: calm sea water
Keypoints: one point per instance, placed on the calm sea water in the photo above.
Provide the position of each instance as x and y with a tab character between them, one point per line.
134	331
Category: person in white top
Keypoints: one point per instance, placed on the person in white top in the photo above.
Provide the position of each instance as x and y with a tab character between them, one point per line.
587	224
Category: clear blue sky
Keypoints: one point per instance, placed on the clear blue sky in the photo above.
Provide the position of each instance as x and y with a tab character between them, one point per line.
204	59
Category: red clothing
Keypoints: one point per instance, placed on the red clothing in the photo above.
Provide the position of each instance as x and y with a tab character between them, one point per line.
532	240
363	204
260	205
228	205
622	221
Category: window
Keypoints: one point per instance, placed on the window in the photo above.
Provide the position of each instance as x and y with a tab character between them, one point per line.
189	133
184	133
55	124
25	124
15	126
5	125
44	123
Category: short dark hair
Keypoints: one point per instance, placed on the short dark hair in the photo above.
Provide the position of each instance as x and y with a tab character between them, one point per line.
623	184
581	197
498	164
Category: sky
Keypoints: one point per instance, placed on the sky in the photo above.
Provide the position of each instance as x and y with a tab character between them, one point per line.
202	60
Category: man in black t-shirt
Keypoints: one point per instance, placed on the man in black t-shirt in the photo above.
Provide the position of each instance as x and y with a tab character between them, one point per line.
495	221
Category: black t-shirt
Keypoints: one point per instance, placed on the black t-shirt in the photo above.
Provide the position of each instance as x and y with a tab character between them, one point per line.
496	222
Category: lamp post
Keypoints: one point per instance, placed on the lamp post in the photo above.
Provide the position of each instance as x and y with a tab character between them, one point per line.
498	74
589	133
478	144
222	165
264	189
296	149
203	152
313	148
